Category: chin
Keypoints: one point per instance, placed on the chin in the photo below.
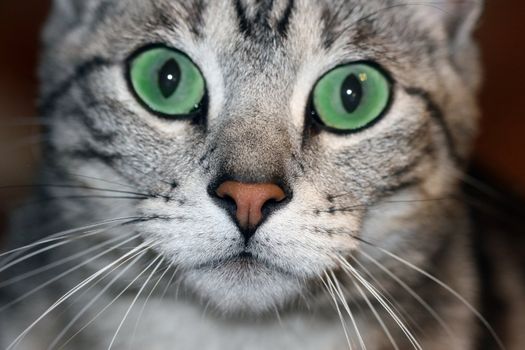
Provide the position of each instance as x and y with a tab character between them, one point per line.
242	286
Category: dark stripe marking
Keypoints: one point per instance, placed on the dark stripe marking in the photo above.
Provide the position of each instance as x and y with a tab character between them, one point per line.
284	23
262	27
90	153
331	19
437	114
102	136
245	26
84	69
195	17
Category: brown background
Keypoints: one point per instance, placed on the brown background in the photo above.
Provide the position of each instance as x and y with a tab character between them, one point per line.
500	148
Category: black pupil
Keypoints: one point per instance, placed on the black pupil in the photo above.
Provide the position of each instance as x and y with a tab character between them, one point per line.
351	93
169	77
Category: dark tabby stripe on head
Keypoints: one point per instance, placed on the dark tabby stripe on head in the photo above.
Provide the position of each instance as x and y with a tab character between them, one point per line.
284	23
437	114
195	16
80	72
262	25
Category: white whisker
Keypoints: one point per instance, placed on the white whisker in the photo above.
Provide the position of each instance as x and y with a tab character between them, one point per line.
378	317
388	297
139	317
67	272
339	291
436	280
135	259
381	300
56	263
136	298
104	308
330	290
63	234
109	182
51	247
169	283
416	296
70	293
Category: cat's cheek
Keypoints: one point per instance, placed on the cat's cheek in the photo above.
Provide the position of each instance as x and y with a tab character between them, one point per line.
190	235
305	254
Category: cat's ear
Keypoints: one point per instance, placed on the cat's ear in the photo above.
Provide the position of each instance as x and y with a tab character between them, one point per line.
458	20
65	15
461	18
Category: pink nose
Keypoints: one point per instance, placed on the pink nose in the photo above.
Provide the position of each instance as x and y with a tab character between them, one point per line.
250	200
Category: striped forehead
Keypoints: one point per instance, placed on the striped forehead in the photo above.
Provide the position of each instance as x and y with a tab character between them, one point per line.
269	52
262	22
259	48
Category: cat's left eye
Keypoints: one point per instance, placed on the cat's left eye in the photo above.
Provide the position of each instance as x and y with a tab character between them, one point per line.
166	81
351	97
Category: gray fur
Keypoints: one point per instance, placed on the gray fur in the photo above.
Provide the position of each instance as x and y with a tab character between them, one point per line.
397	179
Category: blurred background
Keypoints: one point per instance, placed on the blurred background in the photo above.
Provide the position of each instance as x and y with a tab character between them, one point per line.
500	149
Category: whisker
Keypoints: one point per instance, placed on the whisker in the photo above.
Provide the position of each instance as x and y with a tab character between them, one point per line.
48	248
406	201
443	285
389	298
67	272
278	316
81	187
136	297
139	317
380	299
110	182
512	215
170	282
134	259
478	184
416	296
340	293
329	288
63	234
377	316
70	293
57	198
55	264
103	309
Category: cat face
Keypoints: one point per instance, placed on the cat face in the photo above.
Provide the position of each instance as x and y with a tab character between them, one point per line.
356	113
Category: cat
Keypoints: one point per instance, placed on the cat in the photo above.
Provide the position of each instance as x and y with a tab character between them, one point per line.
252	174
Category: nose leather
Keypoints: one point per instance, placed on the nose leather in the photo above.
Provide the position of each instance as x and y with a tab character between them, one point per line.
250	200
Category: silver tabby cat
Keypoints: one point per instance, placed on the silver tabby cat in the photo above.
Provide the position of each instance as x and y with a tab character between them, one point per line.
250	174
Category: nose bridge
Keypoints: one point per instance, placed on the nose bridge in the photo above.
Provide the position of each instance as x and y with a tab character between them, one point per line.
254	148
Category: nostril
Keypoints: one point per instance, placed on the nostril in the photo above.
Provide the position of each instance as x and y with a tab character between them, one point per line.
227	202
271	205
224	195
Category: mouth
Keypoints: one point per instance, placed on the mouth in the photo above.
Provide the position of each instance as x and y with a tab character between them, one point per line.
243	262
243	283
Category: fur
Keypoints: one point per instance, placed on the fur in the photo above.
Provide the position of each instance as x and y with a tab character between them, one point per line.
395	185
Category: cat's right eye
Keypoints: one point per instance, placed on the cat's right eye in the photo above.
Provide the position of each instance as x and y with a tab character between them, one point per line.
166	81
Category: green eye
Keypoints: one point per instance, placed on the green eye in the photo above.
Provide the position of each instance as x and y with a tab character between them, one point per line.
351	97
166	81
